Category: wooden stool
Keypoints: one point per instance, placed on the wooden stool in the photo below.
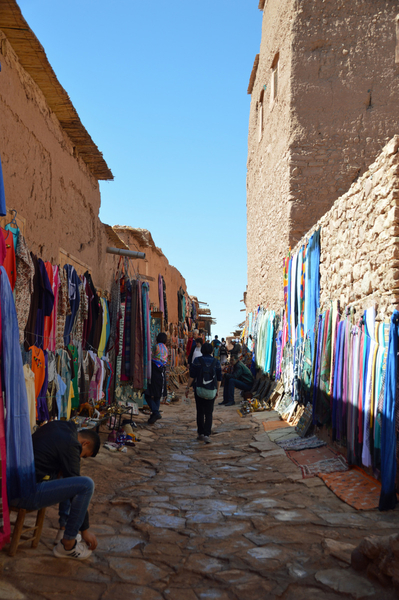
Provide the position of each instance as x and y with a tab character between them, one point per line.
19	533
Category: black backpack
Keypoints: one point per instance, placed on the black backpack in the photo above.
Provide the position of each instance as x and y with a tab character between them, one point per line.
207	379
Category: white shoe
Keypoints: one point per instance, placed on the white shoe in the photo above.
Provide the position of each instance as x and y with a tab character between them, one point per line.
60	535
79	552
207	439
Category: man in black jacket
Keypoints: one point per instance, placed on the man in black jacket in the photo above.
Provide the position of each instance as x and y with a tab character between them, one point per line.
58	448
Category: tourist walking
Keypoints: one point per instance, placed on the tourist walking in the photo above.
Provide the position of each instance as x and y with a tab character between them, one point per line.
205	375
157	387
223	352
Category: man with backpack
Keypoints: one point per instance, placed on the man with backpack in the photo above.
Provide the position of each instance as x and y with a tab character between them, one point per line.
206	374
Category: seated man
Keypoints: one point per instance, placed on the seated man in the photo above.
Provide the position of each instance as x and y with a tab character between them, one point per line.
240	378
58	448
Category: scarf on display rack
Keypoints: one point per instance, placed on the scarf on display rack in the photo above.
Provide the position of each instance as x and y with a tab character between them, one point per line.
21	479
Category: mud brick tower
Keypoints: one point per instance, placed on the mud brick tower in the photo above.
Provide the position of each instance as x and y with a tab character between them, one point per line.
324	101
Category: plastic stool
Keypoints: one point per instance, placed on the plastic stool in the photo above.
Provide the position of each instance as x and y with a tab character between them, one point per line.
19	533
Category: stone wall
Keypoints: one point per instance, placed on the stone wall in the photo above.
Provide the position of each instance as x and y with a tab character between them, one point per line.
359	261
335	110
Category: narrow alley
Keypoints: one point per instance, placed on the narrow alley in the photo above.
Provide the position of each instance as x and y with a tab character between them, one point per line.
180	520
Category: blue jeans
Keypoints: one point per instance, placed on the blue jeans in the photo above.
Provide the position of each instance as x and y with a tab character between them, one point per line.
228	390
154	404
77	490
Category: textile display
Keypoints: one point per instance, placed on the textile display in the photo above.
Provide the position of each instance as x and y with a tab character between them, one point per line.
341	366
354	487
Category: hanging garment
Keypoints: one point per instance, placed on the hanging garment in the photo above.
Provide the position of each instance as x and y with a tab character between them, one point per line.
3	210
48	319
74	300
15	234
20	462
42	408
160	293
9	261
74	352
312	283
24	285
45	304
38	367
137	365
29	377
388	498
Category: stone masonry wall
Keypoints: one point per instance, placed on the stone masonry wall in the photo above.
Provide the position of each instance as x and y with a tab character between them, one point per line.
359	261
336	108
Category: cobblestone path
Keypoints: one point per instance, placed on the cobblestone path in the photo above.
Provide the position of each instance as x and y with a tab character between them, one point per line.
180	520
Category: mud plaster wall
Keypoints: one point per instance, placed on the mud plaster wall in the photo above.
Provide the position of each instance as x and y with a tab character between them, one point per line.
44	179
154	264
359	260
341	94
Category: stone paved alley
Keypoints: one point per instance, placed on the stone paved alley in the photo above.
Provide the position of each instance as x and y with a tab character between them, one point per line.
179	520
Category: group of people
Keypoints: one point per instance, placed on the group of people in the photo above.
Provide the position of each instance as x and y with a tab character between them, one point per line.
58	445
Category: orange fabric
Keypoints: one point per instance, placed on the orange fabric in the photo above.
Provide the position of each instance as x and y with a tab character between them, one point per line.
48	321
9	262
355	487
272	425
38	368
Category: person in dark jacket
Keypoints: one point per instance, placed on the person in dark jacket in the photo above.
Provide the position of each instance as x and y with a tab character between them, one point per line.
58	448
157	388
206	374
240	378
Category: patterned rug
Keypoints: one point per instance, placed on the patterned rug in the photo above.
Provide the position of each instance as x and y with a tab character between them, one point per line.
273	425
317	460
302	443
354	487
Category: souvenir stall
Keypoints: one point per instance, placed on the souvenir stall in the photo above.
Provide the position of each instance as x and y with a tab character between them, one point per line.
337	366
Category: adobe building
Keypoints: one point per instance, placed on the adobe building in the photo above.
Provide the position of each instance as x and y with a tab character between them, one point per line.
52	168
324	102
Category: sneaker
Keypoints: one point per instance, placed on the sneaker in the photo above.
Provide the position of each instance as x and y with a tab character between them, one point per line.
153	419
207	439
79	552
60	535
200	438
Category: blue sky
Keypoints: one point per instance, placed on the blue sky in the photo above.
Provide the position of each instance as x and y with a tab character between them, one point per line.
162	90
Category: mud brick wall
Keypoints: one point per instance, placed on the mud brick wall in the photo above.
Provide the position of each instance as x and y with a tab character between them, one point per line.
44	179
336	108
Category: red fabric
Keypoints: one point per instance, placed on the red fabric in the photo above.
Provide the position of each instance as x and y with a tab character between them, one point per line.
9	261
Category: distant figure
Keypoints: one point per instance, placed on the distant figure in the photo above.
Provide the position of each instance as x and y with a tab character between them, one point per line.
197	350
157	388
192	346
236	350
241	378
205	375
223	352
216	347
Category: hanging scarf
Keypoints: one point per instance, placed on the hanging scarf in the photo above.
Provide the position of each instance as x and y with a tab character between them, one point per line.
21	479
